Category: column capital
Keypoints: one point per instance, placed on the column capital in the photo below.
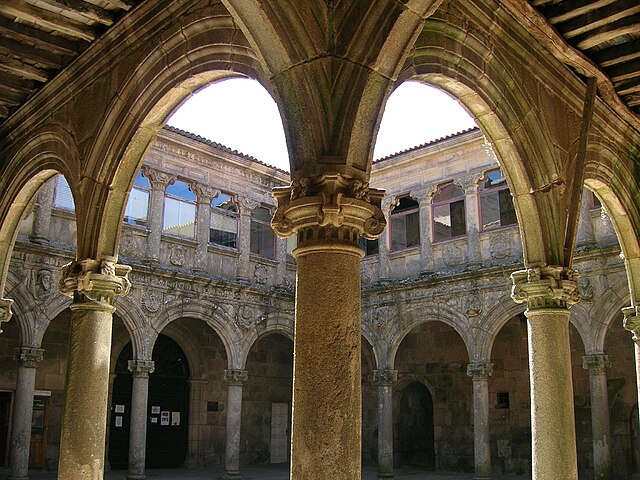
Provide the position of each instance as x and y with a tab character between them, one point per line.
204	193
423	196
236	377
247	205
29	357
329	210
94	284
480	370
5	310
631	321
385	377
469	183
141	368
159	180
596	363
545	287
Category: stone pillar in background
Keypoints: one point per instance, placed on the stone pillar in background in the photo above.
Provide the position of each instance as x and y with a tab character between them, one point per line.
474	254
586	234
423	197
139	415
480	372
28	359
597	365
384	242
204	196
548	291
42	213
329	213
93	284
631	323
245	207
385	380
235	379
159	182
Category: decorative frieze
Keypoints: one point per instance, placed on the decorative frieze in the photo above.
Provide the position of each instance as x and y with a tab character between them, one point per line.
236	377
546	287
95	282
141	368
329	209
596	363
480	370
385	377
5	310
29	357
631	321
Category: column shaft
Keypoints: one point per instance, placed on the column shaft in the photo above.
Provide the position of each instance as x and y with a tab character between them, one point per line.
327	384
138	426
385	379
600	424
233	422
42	213
480	372
246	206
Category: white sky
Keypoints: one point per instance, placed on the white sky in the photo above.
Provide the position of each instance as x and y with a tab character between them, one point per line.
241	115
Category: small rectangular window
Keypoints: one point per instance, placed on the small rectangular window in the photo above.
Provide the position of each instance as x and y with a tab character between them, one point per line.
62	197
223	226
502	400
263	239
496	203
405	224
179	210
448	213
137	208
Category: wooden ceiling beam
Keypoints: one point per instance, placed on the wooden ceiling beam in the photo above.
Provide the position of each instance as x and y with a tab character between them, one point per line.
47	20
83	9
625	26
623	71
632	100
22	70
597	18
628	86
4	112
17	84
33	55
124	4
617	53
563	11
41	39
10	97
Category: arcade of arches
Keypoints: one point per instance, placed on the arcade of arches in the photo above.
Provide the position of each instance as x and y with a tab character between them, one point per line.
219	300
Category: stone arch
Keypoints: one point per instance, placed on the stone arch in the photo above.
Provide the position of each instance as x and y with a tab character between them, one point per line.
25	309
48	151
376	344
55	307
492	322
272	328
608	308
423	314
212	315
135	321
580	318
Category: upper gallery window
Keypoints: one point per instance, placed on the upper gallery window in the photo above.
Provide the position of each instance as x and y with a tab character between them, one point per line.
370	247
137	207
405	224
223	224
179	210
594	202
496	203
62	197
263	240
448	212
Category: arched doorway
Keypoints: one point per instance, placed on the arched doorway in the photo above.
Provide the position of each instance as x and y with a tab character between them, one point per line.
416	444
168	408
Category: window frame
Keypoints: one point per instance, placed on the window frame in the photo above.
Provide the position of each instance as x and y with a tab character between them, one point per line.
62	208
147	190
172	196
215	209
266	224
435	204
414	210
485	192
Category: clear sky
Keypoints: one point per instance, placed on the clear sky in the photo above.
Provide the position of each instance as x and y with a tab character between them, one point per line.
241	115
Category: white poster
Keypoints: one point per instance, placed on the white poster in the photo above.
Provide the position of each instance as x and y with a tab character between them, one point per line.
175	418
164	418
118	421
155	410
154	419
119	408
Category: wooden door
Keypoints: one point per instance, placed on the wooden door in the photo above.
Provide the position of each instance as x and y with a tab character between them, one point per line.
279	430
38	445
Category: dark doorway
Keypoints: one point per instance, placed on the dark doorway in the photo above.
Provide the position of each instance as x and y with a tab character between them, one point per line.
5	408
167	408
415	427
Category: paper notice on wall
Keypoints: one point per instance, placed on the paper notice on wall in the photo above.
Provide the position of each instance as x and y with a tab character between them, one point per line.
164	418
119	408
175	418
154	419
155	410
118	421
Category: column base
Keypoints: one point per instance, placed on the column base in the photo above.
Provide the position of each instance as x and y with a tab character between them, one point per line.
17	478
481	478
231	476
385	475
134	476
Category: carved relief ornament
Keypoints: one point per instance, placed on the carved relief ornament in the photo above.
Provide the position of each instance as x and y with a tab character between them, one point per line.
545	287
479	370
141	368
5	310
236	377
385	377
95	282
631	321
29	357
328	209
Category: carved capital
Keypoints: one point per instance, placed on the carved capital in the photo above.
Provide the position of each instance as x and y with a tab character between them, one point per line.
5	310
546	287
423	195
159	180
596	363
204	193
141	368
247	205
329	209
385	378
480	370
29	357
631	321
236	377
94	283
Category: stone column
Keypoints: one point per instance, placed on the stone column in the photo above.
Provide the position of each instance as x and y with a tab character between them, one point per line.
384	242
28	359
424	197
94	284
281	258
329	213
245	207
235	379
586	234
548	291
159	182
204	196
385	380
474	255
138	427
5	310
631	322
42	213
597	364
480	372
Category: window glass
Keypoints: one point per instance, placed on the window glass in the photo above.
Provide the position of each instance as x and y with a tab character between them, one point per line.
496	204
136	211
448	213
223	227
594	201
180	210
292	243
405	224
62	197
370	247
262	235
